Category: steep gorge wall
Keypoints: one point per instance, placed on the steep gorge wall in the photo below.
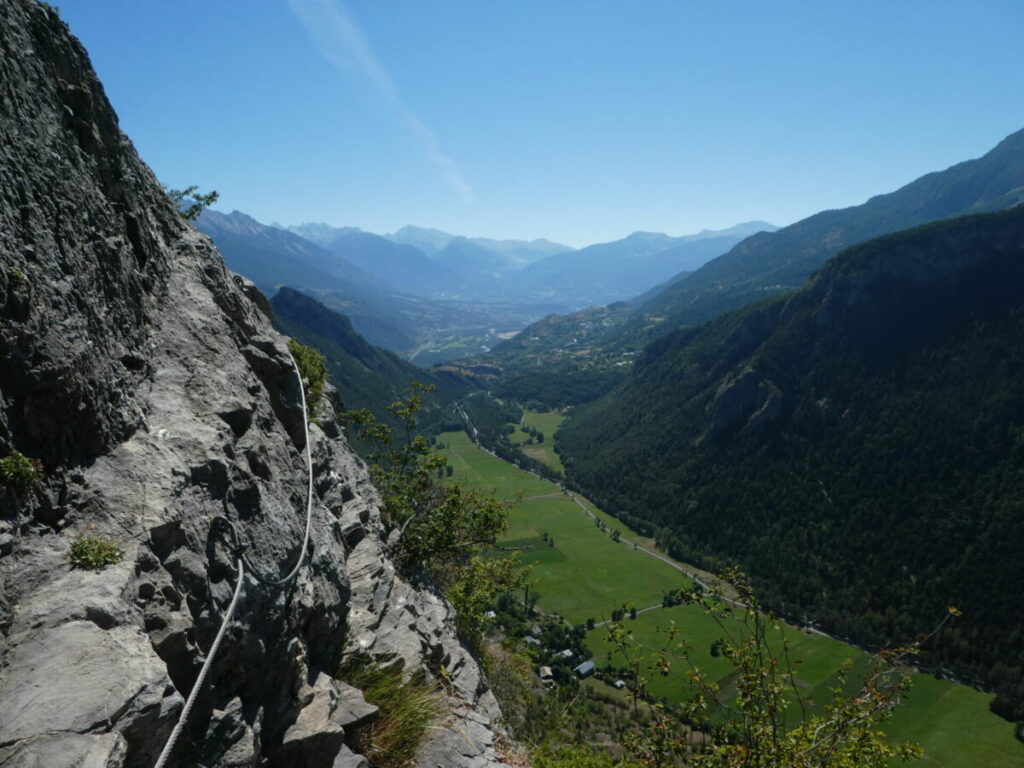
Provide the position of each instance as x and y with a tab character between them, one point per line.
152	387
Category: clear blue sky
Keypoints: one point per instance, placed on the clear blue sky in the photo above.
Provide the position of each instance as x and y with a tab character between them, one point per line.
576	120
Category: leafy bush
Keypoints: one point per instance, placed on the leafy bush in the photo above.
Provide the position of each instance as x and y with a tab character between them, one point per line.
407	707
93	553
575	757
509	672
313	369
752	729
443	532
19	472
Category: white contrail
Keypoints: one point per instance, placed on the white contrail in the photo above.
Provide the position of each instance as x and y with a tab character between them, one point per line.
339	40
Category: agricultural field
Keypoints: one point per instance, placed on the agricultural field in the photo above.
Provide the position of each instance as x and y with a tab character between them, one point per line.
544	452
951	722
581	573
475	468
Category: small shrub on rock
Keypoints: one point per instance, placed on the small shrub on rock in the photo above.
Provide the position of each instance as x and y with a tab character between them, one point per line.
313	369
93	553
19	472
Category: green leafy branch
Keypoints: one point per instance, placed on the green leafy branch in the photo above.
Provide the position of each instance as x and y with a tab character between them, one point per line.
752	730
192	193
437	530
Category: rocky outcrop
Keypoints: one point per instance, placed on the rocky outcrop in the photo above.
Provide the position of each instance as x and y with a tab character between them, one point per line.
388	618
748	403
155	393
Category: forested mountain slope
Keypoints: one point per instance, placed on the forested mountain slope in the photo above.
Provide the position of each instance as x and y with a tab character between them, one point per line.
553	362
771	263
858	446
365	376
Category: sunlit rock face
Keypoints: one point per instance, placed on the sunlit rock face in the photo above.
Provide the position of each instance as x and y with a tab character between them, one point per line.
151	386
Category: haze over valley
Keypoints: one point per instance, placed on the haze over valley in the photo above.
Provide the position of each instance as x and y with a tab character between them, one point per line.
432	297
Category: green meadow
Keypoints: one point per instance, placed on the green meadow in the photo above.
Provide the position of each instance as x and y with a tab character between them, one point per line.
584	574
951	722
581	573
546	423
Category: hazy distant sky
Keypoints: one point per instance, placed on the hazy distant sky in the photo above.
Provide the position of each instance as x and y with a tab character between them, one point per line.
579	120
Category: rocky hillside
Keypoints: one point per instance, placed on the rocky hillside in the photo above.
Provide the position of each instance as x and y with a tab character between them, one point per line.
151	387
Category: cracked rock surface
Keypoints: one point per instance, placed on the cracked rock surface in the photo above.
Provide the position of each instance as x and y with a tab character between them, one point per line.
151	386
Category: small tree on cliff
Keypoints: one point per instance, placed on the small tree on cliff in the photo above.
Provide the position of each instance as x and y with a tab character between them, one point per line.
196	200
436	529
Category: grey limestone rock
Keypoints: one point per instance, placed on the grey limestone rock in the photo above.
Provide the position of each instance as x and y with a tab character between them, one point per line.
748	402
150	383
66	750
348	759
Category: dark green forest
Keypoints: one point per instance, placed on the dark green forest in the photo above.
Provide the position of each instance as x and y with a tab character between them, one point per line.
857	447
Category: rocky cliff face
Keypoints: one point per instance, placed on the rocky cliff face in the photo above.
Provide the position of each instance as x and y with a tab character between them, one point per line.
151	386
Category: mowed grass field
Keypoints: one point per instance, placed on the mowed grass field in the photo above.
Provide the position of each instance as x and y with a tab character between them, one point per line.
951	722
586	575
544	452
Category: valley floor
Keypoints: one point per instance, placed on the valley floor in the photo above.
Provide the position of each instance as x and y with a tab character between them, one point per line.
541	450
583	573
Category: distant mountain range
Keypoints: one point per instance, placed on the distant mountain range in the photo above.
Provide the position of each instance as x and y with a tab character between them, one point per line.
405	268
608	272
478	267
260	250
771	263
271	257
430	241
423	328
430	262
433	296
436	264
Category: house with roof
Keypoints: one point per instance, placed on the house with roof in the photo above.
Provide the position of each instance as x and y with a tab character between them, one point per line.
547	677
586	669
